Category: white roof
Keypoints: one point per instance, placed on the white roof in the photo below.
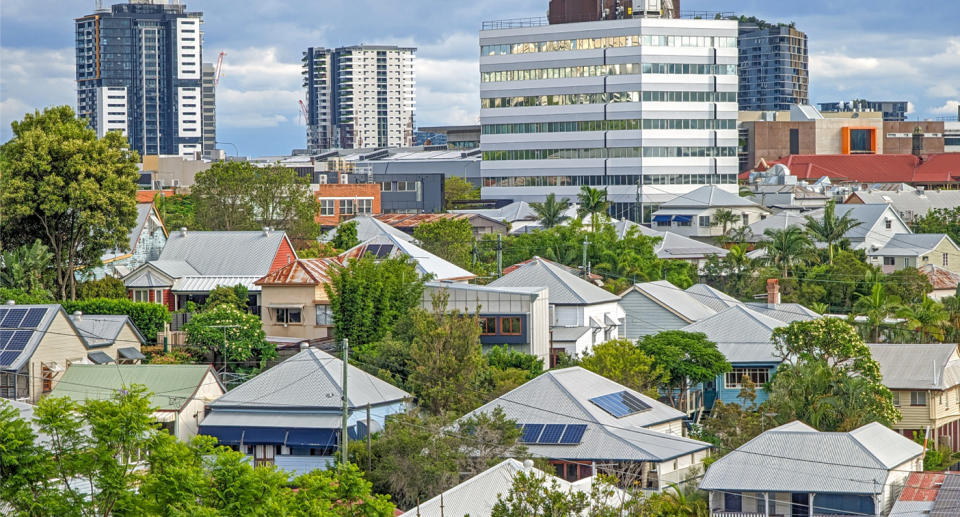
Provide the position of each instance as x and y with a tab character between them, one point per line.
565	288
203	284
426	262
368	227
674	299
924	366
709	196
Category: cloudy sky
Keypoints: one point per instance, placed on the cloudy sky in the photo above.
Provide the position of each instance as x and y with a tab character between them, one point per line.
878	49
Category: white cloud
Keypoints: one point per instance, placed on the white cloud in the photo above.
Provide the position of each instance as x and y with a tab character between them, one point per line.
33	79
911	108
948	108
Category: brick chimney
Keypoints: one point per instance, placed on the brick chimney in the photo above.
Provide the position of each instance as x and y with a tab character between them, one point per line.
773	291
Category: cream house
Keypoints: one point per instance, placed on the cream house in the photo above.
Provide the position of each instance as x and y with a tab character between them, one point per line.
916	250
295	303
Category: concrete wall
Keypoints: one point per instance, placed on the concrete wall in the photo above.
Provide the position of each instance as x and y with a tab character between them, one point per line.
895	143
173	170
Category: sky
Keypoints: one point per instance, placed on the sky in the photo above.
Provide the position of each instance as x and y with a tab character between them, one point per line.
875	49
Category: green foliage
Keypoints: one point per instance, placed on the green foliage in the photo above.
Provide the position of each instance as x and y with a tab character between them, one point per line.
106	287
938	457
388	359
176	211
908	284
877	307
928	319
317	249
368	297
725	219
235	296
22	297
939	220
733	273
688	359
26	267
624	362
149	318
830	229
504	357
786	248
838	285
456	188
449	239
592	202
230	334
346	236
62	185
551	212
732	425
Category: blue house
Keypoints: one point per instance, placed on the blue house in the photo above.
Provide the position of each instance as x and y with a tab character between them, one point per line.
145	242
291	414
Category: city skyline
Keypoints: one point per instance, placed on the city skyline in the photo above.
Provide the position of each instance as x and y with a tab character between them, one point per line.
881	53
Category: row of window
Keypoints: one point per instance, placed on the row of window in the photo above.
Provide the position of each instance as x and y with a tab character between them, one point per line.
610	180
400	186
508	325
567	72
347	206
607	97
608	125
632	40
734	378
610	152
917	398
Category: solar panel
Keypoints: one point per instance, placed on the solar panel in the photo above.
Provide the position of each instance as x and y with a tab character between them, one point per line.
19	341
551	433
13	319
531	432
33	318
373	249
5	336
573	433
7	358
620	404
3	312
384	250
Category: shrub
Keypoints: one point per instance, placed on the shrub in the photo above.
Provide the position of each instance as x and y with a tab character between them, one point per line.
147	317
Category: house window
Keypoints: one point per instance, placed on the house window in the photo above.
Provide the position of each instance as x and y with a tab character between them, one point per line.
510	326
324	315
888	224
704	220
347	207
896	398
148	295
488	325
918	398
327	207
889	261
663	223
906	261
946	260
364	206
746	219
734	379
288	315
46	375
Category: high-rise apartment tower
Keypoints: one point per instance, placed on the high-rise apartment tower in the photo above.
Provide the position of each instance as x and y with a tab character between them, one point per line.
773	67
359	96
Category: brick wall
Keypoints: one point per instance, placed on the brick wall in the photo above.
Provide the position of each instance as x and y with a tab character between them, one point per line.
337	192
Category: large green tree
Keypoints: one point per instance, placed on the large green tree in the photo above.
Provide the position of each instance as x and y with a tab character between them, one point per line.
908	284
449	239
345	236
551	212
592	202
64	186
786	248
928	319
230	335
624	362
830	229
688	358
876	307
456	188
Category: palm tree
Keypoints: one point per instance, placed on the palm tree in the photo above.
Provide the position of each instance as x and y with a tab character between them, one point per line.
831	228
877	307
928	318
592	201
551	211
674	502
786	247
952	305
740	234
725	217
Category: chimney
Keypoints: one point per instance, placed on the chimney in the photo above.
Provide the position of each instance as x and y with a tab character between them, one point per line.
918	142
183	231
773	292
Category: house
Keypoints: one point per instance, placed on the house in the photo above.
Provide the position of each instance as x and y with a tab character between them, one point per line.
878	224
388	246
38	342
944	282
712	297
584	423
519	215
673	246
518	317
118	330
925	381
144	243
194	263
290	415
796	470
296	307
477	496
928	494
652	307
583	314
693	214
179	392
368	227
909	202
480	223
905	250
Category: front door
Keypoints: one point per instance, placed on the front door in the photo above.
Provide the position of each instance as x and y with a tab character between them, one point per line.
263	454
732	502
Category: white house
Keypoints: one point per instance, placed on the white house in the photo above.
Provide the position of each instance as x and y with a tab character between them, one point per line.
694	214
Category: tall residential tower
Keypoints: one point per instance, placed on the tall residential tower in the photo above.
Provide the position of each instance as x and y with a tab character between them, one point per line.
359	96
774	72
645	107
139	72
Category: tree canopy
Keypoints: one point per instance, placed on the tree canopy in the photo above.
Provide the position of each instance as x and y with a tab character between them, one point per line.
622	361
449	239
688	358
229	334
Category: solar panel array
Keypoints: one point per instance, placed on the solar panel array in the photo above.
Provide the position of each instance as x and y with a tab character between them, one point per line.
380	250
15	323
12	344
552	434
620	404
20	318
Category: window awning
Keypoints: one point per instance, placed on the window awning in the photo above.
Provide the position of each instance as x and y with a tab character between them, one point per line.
233	435
662	218
683	218
100	357
284	306
130	353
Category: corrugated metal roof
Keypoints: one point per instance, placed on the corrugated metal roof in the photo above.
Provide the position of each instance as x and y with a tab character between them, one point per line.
203	284
708	196
301	272
565	397
426	263
741	334
103	329
939	277
310	379
173	268
674	299
224	253
529	291
875	168
299	420
565	288
711	297
799	460
868	215
910	244
171	385
567	334
368	227
785	312
917	366
516	211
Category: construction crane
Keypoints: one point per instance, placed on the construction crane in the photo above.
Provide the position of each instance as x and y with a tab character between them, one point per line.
303	111
216	74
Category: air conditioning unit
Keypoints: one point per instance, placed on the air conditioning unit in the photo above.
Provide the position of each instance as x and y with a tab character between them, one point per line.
344	178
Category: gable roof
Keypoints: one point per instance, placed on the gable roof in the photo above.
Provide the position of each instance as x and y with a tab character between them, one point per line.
911	244
172	385
22	327
314	271
426	263
711	297
368	227
310	379
104	329
143	214
563	397
875	168
741	334
794	459
785	312
709	196
565	288
516	211
223	253
913	201
939	277
928	366
674	299
671	245
868	214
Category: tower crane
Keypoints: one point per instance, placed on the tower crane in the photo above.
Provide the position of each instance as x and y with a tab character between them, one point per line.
216	74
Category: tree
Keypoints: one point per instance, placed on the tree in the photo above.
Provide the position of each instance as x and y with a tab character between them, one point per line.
176	211
445	359
939	220
25	267
449	239
831	228
551	212
724	217
623	362
532	494
456	188
346	236
504	357
951	304
786	248
908	284
732	425
74	192
688	358
282	200
235	296
106	287
221	197
368	297
229	334
928	318
592	202
877	307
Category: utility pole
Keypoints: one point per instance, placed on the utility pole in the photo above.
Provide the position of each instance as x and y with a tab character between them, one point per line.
224	352
369	465
499	255
344	435
585	243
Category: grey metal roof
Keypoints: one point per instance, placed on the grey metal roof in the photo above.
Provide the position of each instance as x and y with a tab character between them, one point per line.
674	299
676	246
369	227
742	334
911	244
712	297
917	366
99	357
529	291
563	397
173	268
311	379
129	352
224	253
785	312
516	211
295	419
805	460
565	288
426	263
912	508
709	196
868	215
103	329
203	284
913	202
948	500
567	334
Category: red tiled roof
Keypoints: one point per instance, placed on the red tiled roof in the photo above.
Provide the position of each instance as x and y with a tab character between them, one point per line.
875	168
146	196
922	486
300	272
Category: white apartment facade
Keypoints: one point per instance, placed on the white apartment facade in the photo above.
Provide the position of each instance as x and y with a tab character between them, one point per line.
605	104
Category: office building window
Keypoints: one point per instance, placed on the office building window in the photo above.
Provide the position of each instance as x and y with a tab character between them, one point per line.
794	141
364	206
347	207
861	141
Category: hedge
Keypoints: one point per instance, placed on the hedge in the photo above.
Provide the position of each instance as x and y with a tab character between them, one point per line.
147	317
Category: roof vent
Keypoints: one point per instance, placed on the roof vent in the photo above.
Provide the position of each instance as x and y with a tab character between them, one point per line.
527	464
183	231
266	231
11	302
77	315
304	345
